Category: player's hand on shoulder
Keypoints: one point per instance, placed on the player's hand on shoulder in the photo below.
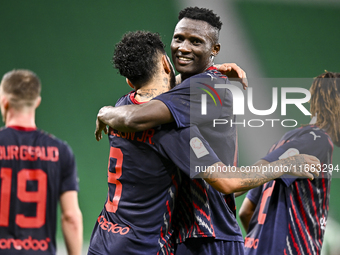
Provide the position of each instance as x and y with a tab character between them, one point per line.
233	71
304	165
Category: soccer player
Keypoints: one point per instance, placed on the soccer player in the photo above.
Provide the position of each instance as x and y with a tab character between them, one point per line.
148	187
289	215
213	228
37	170
142	177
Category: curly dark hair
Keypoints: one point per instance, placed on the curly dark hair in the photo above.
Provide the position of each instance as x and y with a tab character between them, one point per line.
201	14
135	56
325	103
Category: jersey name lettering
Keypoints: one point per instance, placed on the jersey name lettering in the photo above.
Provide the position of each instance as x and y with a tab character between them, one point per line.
144	136
30	153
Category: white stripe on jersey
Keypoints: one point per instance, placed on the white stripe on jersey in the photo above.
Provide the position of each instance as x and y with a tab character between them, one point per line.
204	201
203	224
295	230
304	198
288	246
315	224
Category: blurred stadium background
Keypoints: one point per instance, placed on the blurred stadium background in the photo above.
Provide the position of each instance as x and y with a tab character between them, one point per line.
69	44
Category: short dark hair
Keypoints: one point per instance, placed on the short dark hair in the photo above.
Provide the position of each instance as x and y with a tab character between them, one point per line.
201	14
135	56
325	103
23	86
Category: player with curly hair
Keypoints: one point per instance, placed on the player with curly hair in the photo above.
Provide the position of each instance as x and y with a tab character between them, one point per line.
212	221
146	47
206	222
143	179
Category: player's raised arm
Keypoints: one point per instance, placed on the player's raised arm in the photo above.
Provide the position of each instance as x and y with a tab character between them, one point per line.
229	179
132	118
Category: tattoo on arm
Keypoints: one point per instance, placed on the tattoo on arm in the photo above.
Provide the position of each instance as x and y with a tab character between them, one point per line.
257	176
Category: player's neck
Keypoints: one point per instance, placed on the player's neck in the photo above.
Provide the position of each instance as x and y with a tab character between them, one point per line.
185	76
22	119
155	87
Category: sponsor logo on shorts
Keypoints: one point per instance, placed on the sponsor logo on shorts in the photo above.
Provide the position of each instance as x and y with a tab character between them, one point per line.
251	242
26	244
111	227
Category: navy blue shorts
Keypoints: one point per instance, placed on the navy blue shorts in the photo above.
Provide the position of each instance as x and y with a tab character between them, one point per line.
209	246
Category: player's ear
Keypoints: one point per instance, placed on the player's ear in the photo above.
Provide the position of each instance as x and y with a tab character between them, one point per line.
37	102
4	107
129	83
166	64
5	102
216	49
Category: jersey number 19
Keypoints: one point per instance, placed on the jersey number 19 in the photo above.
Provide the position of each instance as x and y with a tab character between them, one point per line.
38	196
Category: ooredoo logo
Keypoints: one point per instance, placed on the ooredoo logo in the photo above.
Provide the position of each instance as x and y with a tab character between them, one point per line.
26	244
251	242
110	227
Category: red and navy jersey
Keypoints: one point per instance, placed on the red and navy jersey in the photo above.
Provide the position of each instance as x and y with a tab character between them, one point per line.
205	211
35	169
291	213
143	181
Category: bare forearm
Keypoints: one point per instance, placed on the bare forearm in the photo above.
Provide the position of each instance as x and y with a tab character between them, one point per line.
249	180
245	221
133	118
73	233
118	118
238	179
246	212
239	193
71	222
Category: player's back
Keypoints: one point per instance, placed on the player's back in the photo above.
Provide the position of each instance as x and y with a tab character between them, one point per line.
136	218
35	169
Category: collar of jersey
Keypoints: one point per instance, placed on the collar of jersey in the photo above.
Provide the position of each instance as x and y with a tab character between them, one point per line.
133	100
23	128
211	68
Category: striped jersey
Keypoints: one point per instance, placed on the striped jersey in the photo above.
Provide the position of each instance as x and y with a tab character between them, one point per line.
203	211
291	213
35	169
143	184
